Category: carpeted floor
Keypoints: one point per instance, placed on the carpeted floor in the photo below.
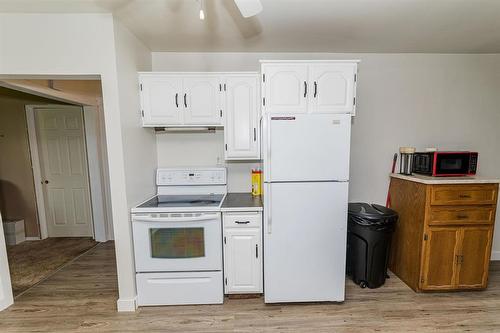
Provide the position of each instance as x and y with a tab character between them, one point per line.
32	261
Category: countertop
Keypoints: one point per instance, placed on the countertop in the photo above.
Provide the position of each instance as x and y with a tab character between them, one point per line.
446	180
241	202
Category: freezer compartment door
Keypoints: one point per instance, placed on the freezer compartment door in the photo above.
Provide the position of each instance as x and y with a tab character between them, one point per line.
305	226
312	147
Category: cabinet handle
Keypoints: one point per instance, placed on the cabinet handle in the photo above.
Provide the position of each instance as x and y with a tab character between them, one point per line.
241	222
176	100
305	89
464	196
185	101
462	217
256	250
315	89
254	134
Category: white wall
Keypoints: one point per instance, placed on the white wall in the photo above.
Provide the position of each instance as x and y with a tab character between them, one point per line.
139	147
81	44
421	100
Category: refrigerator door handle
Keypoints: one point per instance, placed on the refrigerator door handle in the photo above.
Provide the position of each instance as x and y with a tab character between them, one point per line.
269	212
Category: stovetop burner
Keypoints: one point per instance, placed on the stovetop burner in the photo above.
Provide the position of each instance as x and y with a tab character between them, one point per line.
207	200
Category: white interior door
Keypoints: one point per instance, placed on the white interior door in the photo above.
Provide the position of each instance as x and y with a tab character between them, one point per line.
305	228
6	298
161	100
286	88
201	100
64	171
332	88
312	147
241	131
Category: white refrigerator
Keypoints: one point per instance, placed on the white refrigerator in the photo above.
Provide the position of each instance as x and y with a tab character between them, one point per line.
306	174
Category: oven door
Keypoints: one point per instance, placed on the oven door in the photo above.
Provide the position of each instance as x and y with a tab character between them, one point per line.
177	242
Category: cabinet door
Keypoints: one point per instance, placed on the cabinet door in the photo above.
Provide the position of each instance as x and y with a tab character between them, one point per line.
440	258
241	131
332	88
160	100
202	100
286	88
242	260
474	257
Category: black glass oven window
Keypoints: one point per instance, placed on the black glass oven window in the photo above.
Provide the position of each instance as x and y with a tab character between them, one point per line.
177	243
452	164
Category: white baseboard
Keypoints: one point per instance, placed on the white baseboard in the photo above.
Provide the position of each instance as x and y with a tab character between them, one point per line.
495	255
32	238
127	305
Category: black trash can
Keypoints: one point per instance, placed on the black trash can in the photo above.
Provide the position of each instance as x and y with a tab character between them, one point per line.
369	232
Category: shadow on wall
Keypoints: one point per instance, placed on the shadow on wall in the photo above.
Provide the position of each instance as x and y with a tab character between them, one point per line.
10	197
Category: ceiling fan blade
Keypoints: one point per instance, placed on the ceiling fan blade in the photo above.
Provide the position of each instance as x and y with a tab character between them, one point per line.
248	7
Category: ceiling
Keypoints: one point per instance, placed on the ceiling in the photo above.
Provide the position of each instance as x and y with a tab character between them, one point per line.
394	26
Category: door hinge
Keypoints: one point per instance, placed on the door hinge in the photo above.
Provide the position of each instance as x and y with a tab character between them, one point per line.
140	86
426	237
221	113
264	101
224	239
226	146
263	77
142	113
224	87
254	134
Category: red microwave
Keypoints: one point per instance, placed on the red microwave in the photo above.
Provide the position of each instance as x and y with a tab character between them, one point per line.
445	163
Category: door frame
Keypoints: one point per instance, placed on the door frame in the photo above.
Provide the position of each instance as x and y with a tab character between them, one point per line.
97	199
6	297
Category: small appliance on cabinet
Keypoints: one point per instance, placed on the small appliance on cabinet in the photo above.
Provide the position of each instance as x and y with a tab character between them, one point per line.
178	238
445	163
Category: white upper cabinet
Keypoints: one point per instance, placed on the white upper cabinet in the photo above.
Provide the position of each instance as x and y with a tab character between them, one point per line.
309	87
285	88
202	100
241	131
181	99
160	100
332	88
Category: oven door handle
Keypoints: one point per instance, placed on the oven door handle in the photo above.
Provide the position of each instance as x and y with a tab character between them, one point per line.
174	219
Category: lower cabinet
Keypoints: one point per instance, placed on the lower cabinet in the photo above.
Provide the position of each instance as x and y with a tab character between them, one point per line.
456	257
242	252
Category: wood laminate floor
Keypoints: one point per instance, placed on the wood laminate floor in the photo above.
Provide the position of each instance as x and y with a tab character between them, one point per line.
82	298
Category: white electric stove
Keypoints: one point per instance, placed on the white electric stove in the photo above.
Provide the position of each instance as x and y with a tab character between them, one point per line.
178	238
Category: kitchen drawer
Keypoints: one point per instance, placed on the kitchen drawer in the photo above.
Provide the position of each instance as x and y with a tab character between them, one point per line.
242	220
463	194
461	215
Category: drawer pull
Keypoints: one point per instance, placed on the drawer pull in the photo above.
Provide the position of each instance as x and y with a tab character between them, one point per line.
462	217
464	196
241	222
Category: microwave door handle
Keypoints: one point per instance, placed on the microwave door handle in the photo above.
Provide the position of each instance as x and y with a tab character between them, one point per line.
174	219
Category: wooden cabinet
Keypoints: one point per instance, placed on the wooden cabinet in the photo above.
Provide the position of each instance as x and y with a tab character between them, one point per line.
444	234
242	130
181	99
242	252
309	87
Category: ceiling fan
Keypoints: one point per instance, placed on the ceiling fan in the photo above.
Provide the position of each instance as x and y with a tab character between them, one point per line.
247	8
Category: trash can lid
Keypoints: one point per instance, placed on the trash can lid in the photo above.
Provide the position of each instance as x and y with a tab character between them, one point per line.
370	211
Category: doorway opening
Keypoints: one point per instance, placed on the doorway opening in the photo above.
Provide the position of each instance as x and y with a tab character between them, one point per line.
54	191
